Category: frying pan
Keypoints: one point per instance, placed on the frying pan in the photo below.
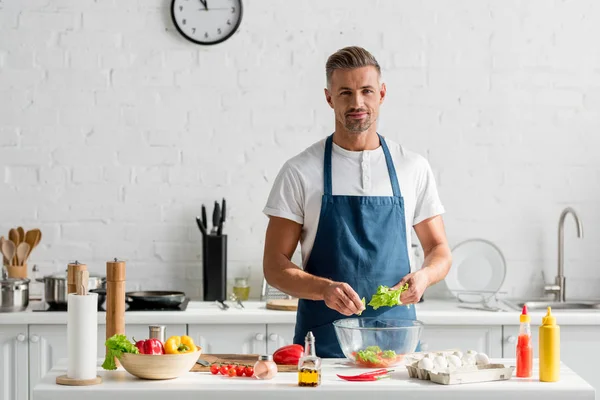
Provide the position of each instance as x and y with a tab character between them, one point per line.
154	299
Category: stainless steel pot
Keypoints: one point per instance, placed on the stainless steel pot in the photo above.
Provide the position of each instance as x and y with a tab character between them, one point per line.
55	288
14	294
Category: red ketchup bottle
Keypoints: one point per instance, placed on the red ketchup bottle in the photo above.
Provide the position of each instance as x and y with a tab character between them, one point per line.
524	348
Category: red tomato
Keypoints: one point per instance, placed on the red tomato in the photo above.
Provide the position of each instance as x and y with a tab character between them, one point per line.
223	369
249	371
214	369
231	372
290	354
239	370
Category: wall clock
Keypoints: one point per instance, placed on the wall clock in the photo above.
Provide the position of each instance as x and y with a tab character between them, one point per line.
206	22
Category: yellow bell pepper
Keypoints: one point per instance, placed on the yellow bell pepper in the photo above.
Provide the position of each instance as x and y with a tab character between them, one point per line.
180	345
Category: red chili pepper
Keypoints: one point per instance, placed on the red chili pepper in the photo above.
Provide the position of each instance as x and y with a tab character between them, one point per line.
150	346
363	378
290	354
377	372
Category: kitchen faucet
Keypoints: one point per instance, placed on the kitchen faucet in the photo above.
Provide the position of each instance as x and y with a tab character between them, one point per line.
558	289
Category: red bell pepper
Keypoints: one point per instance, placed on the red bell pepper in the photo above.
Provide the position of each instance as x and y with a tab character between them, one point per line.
290	354
150	346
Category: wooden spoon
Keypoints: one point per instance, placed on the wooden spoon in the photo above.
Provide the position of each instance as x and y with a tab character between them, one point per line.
4	260
33	238
22	252
8	249
21	235
14	236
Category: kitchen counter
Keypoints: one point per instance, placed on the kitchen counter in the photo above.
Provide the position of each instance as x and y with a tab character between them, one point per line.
199	385
432	312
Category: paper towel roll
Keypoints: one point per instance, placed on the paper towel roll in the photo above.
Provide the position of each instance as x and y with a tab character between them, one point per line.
82	335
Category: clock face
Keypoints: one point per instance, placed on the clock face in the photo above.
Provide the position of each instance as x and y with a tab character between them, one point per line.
206	21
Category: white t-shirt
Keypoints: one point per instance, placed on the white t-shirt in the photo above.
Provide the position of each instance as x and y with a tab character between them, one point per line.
298	188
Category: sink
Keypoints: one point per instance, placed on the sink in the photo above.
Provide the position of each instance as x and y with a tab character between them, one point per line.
541	305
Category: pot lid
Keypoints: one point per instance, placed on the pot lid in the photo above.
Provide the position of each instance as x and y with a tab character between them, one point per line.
12	282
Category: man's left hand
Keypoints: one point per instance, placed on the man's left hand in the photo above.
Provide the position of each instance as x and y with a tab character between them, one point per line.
417	283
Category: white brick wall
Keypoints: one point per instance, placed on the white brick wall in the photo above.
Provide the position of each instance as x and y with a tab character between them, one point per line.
114	129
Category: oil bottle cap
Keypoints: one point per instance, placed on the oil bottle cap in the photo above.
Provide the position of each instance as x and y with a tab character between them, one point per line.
549	319
524	317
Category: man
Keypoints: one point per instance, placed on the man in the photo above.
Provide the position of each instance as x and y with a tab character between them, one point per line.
351	200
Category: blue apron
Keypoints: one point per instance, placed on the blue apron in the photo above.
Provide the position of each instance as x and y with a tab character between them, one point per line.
360	240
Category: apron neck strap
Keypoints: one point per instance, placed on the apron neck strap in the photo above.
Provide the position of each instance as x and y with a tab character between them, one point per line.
388	160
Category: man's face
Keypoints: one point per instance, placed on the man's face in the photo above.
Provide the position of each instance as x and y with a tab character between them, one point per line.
355	96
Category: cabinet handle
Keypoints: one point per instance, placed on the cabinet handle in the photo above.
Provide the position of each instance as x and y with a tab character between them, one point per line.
259	336
34	338
511	339
273	337
424	346
20	337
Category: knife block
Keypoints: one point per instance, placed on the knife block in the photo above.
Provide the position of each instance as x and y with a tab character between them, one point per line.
214	264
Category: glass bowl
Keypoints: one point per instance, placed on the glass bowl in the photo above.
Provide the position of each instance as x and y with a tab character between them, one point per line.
377	342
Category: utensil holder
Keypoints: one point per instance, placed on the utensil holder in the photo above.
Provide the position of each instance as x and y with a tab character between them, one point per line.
16	271
214	264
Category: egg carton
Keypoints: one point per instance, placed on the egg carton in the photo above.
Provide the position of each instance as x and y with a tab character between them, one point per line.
460	375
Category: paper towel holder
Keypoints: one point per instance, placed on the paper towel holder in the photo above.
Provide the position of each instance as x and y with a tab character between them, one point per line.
81	279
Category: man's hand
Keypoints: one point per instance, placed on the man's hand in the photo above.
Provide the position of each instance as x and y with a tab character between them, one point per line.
342	298
417	283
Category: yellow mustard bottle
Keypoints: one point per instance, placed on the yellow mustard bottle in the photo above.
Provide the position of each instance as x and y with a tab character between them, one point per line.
549	350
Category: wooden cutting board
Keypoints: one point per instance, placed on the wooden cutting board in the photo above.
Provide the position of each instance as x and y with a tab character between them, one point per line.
246	359
283	305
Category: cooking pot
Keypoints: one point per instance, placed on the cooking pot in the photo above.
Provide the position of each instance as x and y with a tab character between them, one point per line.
14	294
55	288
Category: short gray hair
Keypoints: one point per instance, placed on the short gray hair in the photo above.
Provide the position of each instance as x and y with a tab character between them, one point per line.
349	58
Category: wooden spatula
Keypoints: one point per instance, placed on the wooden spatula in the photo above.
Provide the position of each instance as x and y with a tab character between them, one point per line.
22	253
13	235
21	235
33	238
8	249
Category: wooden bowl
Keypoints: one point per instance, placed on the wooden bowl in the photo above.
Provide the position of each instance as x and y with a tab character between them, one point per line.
164	366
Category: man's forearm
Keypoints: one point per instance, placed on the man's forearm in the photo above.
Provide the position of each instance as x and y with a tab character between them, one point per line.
437	263
286	276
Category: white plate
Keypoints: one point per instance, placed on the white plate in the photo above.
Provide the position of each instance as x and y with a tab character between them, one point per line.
477	266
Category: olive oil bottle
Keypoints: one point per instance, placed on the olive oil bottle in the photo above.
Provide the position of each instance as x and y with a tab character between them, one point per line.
309	366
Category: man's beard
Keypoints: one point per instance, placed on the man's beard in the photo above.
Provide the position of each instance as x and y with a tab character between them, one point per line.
357	126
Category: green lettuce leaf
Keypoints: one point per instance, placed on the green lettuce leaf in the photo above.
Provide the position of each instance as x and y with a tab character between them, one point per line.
364	301
385	297
115	347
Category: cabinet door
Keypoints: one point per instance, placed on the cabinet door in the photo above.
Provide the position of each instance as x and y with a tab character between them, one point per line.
14	381
579	349
47	345
279	335
230	338
483	339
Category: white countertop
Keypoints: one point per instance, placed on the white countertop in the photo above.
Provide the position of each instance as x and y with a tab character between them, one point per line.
203	385
432	312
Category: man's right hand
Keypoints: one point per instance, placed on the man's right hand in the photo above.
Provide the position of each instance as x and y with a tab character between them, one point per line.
341	297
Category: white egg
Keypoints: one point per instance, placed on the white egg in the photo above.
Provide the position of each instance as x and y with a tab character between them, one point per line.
482	359
426	363
469	359
458	354
454	361
440	362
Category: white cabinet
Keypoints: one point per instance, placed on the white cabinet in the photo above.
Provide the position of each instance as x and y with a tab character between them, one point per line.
483	339
579	349
230	338
279	335
14	380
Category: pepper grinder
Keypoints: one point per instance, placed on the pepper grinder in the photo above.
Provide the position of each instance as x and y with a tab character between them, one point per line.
72	270
115	299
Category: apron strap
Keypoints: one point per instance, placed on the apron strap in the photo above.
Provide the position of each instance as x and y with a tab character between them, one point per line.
327	189
390	167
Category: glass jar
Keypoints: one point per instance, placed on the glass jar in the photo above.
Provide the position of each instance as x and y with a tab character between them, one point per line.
241	289
265	368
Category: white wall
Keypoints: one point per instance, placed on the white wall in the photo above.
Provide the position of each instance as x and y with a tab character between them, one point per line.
114	129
